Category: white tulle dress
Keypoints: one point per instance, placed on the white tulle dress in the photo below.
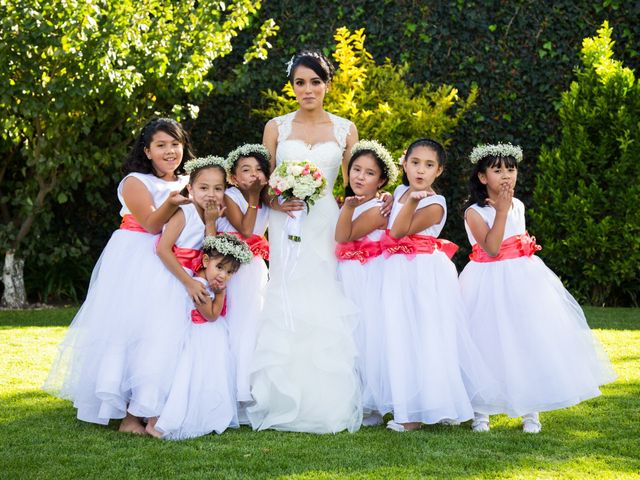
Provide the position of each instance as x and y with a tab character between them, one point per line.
245	297
530	330
362	283
202	398
304	374
116	356
435	372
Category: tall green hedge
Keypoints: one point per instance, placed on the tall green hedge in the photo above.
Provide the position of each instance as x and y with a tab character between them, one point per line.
587	191
520	54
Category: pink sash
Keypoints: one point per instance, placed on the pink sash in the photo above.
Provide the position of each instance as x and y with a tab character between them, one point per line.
512	247
197	317
413	245
130	223
258	245
360	250
188	257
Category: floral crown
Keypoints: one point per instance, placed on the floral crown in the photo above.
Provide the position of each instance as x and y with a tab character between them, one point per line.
227	244
247	150
202	162
497	150
382	153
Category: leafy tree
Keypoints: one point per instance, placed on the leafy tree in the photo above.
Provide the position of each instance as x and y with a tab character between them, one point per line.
77	79
379	100
587	192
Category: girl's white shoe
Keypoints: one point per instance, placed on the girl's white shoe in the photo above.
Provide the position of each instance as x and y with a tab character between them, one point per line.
396	427
531	423
480	423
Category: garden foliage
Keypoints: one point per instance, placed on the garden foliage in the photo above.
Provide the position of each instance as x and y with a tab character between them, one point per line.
587	187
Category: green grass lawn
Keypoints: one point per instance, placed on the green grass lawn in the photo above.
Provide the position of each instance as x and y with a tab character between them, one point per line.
41	438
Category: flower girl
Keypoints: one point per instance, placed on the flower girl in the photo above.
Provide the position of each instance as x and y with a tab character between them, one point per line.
359	228
530	330
202	397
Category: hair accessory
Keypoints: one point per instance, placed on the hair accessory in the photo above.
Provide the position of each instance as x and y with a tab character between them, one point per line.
289	64
382	153
247	150
202	162
497	150
227	244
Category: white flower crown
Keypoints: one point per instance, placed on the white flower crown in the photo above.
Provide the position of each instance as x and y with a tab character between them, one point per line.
382	153
497	150
227	244
247	150
202	162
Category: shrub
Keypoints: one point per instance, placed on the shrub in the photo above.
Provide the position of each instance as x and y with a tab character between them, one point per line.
587	191
379	99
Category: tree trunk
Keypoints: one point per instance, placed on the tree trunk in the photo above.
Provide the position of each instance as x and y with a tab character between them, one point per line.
14	295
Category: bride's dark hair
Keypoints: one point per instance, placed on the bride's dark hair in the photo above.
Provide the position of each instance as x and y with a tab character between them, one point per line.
313	59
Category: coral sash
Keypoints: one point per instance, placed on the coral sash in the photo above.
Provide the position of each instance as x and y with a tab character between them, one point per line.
188	257
259	245
130	223
361	250
512	247
413	245
197	317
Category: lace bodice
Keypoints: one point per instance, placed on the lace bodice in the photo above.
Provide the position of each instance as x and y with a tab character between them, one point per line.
326	155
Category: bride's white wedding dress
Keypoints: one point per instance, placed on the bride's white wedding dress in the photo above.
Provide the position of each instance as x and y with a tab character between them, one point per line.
304	376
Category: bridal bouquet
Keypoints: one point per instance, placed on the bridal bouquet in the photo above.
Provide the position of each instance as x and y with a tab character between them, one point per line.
302	180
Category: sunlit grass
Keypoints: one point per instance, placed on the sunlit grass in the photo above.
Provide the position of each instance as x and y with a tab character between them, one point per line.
40	437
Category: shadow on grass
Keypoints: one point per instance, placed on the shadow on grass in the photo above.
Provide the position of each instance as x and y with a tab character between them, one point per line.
41	436
37	317
613	318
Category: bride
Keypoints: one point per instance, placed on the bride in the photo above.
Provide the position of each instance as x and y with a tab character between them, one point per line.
303	377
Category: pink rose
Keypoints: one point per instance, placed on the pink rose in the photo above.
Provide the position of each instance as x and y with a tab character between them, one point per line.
317	175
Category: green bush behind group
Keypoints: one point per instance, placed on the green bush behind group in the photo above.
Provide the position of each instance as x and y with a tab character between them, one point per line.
462	72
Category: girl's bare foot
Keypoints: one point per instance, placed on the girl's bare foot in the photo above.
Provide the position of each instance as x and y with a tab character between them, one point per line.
151	428
131	424
403	427
409	426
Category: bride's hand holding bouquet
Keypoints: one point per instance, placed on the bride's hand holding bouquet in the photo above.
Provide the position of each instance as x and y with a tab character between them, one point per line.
297	180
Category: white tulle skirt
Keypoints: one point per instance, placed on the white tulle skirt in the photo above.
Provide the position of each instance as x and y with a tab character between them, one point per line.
202	398
304	373
245	297
362	284
121	348
434	371
533	335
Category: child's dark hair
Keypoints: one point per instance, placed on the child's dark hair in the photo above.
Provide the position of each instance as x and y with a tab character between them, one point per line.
428	143
348	191
262	159
137	160
214	255
313	59
477	190
195	166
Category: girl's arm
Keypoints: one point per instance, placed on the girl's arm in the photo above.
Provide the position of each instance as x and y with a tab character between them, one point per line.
352	139
348	230
212	308
270	140
140	203
490	239
409	221
244	223
212	212
197	291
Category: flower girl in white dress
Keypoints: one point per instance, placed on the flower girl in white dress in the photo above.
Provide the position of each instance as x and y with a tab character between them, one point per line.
246	216
435	373
530	330
202	398
360	267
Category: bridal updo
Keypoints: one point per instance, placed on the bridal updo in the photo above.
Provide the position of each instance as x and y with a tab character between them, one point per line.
313	59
